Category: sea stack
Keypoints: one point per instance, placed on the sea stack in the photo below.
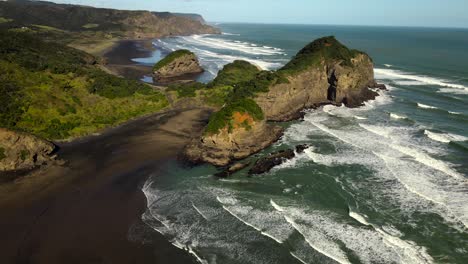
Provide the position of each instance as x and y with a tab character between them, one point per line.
177	64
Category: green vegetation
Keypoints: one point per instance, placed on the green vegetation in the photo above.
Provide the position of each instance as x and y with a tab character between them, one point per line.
5	20
58	92
241	82
24	154
326	49
171	57
234	73
88	26
187	89
2	153
224	117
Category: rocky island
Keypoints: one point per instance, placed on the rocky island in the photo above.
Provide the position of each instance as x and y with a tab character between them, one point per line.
177	64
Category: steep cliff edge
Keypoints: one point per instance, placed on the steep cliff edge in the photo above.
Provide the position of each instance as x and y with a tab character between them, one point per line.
229	144
324	72
176	64
21	151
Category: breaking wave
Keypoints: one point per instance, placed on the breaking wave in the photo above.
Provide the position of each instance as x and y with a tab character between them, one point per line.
414	79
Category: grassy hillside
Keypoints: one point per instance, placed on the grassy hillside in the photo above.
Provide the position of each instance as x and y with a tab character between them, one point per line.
326	49
83	18
233	91
58	92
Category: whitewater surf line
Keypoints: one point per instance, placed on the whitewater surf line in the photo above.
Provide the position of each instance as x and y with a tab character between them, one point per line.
298	258
444	138
343	260
421	78
249	224
424	106
198	211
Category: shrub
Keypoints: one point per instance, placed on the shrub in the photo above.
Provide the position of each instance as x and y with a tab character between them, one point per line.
187	89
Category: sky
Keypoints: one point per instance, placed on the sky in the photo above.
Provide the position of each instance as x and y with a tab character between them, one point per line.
426	13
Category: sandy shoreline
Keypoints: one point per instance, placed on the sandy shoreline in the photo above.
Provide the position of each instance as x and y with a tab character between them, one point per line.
119	58
88	210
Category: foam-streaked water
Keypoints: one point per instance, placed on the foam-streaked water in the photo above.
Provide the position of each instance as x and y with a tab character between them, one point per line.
384	183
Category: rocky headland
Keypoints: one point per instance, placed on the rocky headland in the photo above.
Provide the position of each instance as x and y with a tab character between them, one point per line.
324	72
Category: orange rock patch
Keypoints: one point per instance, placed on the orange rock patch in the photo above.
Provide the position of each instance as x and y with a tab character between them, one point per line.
240	119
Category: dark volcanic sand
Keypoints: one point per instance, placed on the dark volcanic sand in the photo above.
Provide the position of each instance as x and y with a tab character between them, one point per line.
119	58
85	217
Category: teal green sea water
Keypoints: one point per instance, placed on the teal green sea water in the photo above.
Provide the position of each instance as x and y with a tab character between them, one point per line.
384	183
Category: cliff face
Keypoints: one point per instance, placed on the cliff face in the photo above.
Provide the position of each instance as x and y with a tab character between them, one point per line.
176	64
312	87
227	146
20	151
131	24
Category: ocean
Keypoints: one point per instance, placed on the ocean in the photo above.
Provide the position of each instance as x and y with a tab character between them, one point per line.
383	183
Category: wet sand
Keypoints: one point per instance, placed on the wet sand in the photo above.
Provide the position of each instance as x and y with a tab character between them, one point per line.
119	58
89	211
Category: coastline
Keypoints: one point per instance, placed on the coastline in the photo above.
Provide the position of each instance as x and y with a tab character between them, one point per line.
111	165
84	211
119	58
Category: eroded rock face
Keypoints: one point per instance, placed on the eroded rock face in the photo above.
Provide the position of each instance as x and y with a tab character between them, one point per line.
182	65
311	88
22	151
223	148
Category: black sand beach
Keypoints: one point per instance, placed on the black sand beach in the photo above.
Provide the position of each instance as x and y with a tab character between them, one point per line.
89	210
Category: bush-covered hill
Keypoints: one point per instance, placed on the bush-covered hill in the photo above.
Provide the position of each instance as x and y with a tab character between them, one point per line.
58	92
84	18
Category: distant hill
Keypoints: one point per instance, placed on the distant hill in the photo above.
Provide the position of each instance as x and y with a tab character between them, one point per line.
195	17
132	24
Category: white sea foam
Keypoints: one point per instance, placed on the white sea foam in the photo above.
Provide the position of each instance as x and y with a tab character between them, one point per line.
268	223
372	246
198	210
230	34
444	137
403	159
395	74
360	117
454	113
396	116
388	65
361	219
298	258
243	47
409	83
424	106
208	55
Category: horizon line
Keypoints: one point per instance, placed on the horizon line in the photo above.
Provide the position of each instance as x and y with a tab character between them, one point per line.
341	25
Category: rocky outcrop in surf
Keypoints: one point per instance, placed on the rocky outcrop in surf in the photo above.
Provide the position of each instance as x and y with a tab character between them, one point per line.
176	64
324	72
222	148
22	151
